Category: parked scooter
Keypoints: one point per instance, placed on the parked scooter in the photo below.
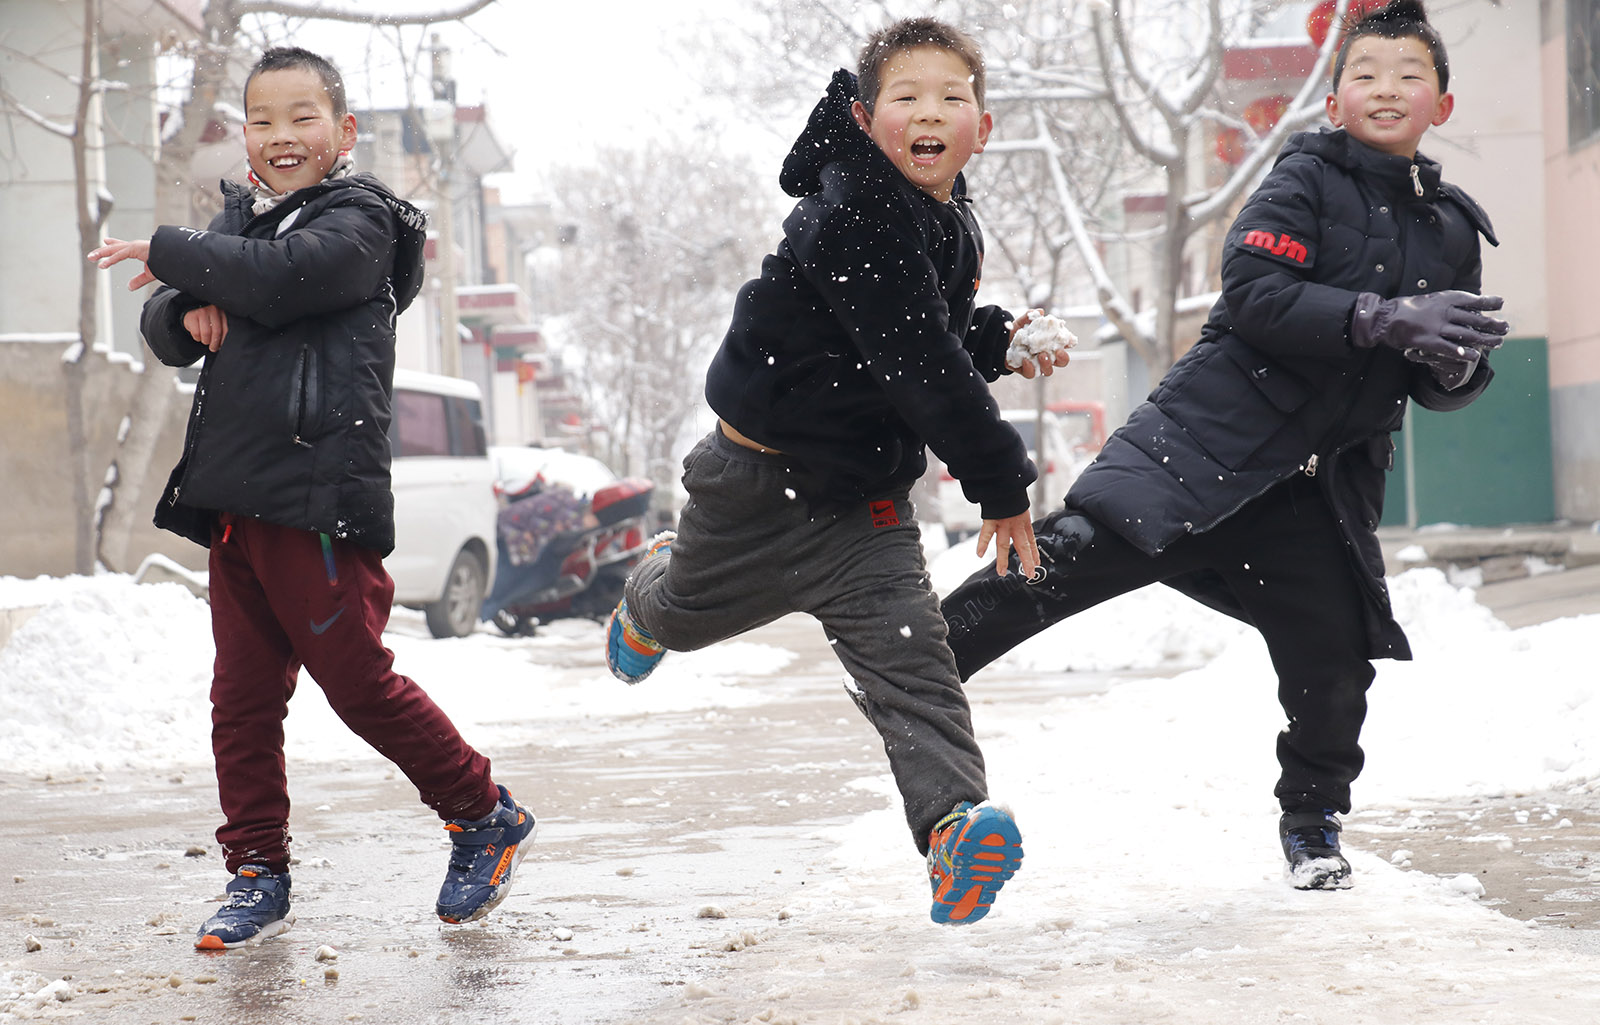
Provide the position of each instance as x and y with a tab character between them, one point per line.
564	556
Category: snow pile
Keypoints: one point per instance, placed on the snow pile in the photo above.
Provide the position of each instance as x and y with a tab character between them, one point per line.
110	674
106	668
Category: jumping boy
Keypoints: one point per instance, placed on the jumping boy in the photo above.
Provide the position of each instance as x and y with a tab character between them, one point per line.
858	345
1253	477
290	296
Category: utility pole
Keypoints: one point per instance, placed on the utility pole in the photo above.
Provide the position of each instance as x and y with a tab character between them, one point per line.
449	313
442	131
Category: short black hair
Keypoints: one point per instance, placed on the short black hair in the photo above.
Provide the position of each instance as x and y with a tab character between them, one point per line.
908	34
1400	19
282	58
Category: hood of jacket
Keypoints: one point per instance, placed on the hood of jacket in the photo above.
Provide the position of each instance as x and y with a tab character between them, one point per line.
411	223
1339	147
831	136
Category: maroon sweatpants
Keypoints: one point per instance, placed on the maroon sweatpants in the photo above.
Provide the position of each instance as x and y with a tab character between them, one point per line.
281	598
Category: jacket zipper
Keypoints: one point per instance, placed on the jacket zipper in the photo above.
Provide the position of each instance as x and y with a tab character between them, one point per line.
298	397
1416	181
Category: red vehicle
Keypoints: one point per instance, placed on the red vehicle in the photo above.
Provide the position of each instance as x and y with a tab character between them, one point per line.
1084	424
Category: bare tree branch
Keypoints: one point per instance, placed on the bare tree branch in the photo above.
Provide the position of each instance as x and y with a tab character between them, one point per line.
1115	307
1205	77
367	16
1143	146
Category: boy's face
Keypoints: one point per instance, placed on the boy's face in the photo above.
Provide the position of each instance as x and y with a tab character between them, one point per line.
1389	94
290	133
927	118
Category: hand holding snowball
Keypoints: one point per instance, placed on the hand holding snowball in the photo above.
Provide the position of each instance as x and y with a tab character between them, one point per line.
1039	344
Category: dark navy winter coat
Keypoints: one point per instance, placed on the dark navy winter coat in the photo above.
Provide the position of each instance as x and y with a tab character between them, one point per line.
1274	387
291	415
860	342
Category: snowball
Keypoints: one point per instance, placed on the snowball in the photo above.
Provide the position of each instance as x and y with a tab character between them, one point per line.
1040	335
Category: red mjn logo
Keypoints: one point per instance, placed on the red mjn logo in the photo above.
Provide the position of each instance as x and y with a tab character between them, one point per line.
1283	245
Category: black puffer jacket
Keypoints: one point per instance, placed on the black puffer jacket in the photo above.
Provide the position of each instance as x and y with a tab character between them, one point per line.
859	343
291	415
1274	387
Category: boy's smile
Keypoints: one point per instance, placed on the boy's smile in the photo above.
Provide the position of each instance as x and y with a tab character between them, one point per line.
291	135
926	118
1388	96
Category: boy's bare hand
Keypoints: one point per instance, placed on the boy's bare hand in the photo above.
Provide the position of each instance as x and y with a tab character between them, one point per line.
1013	532
1045	363
116	250
207	325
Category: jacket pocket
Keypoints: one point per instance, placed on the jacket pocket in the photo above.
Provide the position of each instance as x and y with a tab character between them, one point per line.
305	398
1235	402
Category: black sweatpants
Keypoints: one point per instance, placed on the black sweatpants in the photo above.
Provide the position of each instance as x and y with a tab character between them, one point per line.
748	552
1283	557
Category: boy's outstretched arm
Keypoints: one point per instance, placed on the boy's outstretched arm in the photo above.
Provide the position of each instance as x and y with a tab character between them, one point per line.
116	250
1011	533
178	329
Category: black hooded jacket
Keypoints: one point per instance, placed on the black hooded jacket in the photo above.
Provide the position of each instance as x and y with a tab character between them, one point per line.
1273	387
291	414
860	342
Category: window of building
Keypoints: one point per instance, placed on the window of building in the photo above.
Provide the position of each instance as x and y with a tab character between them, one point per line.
1583	71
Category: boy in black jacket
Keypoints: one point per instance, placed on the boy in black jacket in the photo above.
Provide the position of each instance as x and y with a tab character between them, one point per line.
1253	478
290	296
858	344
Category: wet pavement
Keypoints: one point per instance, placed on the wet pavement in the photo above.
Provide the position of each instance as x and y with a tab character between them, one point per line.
676	836
668	844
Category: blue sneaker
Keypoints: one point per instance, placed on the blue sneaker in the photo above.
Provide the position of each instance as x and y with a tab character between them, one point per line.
484	855
1311	846
257	908
631	653
971	853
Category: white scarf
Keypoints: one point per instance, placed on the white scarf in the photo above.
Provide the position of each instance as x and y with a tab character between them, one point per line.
266	198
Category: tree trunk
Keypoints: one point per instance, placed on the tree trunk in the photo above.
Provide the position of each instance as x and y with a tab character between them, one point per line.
91	219
175	191
1169	269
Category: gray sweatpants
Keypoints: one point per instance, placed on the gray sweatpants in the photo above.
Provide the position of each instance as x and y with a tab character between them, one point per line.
748	552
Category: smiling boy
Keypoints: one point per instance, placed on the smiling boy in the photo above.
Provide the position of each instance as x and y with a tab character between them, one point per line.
859	345
1253	478
290	298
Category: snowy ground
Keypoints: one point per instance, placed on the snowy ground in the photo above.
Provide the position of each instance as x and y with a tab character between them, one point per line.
1134	744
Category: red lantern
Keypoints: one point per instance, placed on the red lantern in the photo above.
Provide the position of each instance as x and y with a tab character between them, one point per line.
1321	17
1262	114
1230	145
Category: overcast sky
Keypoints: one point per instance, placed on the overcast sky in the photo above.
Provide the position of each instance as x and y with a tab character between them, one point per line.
562	78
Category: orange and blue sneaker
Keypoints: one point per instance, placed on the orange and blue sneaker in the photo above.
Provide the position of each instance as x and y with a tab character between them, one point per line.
631	653
971	853
256	908
484	855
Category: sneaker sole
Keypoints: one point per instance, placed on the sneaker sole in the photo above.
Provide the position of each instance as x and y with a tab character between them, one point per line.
210	941
1320	874
987	852
502	891
616	638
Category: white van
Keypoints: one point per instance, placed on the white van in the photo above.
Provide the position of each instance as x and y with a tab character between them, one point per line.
445	507
1060	467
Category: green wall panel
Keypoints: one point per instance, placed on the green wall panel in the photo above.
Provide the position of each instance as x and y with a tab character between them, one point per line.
1486	465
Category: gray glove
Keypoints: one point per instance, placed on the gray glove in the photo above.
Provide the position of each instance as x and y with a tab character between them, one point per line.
1444	331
